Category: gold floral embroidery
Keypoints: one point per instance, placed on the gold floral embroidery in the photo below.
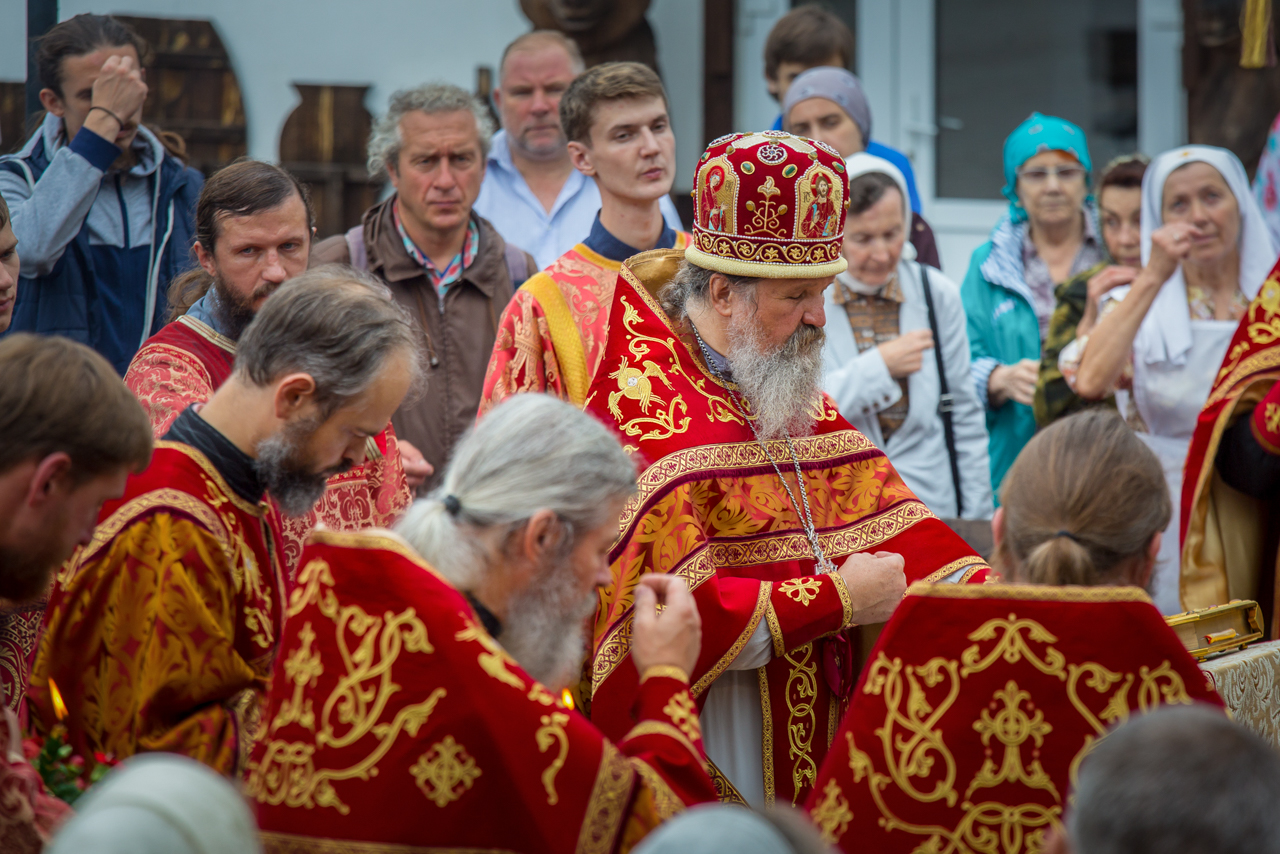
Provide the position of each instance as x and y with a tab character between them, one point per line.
684	713
802	590
832	814
801	691
442	769
916	755
494	659
552	731
286	772
607	805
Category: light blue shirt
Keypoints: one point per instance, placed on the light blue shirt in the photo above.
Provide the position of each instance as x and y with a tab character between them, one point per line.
507	202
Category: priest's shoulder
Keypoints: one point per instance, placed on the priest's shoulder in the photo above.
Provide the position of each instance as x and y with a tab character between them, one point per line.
378	562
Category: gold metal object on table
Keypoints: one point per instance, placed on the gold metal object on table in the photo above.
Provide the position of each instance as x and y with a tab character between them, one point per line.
1222	628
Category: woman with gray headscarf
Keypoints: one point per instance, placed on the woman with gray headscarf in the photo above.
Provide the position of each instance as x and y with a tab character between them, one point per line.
828	104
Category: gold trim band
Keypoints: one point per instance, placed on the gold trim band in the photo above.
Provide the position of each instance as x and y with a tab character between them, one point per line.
668	670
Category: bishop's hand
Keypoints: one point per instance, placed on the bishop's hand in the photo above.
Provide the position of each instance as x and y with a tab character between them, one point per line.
876	585
672	636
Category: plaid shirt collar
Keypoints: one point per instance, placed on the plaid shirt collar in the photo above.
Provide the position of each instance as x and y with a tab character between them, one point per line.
440	279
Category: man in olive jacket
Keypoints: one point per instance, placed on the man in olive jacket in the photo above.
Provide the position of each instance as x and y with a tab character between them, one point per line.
447	266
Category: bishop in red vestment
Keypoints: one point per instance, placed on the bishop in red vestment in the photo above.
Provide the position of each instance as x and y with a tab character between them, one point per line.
754	489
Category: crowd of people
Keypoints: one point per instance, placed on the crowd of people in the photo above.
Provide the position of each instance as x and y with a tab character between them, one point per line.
518	517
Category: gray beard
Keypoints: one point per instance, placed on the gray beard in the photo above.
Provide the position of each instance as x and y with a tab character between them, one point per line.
545	629
781	386
285	472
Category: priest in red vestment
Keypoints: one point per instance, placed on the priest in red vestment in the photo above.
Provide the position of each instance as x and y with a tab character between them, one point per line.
789	526
427	712
161	632
1231	482
551	336
978	704
253	233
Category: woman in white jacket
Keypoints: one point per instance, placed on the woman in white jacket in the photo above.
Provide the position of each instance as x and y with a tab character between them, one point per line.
879	361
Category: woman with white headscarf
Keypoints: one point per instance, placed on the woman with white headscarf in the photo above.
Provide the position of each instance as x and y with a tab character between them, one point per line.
880	364
1206	251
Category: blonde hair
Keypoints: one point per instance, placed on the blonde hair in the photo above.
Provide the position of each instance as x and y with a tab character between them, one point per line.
1081	504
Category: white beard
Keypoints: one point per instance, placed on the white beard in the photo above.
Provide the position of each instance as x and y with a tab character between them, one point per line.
545	629
782	385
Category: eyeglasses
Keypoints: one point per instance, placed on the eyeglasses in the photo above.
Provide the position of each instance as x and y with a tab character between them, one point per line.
1064	174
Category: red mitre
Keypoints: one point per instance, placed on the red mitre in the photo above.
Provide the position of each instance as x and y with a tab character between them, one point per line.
976	706
769	205
1250	369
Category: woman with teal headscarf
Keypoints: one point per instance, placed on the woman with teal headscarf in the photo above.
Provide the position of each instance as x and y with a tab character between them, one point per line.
1049	235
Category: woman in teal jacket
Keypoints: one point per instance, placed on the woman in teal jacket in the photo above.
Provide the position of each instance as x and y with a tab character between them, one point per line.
1049	235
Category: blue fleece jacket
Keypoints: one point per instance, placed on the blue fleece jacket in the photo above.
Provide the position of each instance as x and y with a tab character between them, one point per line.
99	246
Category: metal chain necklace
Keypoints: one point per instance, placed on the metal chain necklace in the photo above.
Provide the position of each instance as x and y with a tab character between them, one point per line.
824	565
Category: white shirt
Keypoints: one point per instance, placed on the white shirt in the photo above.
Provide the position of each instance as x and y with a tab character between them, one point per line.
507	202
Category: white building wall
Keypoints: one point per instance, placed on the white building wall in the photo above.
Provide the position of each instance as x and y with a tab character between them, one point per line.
13	40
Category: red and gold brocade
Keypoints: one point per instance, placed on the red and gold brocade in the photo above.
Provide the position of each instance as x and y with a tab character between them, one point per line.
710	509
976	706
19	634
552	334
186	362
1227	552
396	720
161	633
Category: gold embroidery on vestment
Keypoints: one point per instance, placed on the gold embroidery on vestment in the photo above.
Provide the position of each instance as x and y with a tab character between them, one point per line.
684	714
832	814
551	732
802	590
442	769
801	691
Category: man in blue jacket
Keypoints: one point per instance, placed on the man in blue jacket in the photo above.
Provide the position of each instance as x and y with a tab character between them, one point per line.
104	212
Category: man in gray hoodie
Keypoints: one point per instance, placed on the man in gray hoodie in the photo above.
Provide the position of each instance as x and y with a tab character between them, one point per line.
104	212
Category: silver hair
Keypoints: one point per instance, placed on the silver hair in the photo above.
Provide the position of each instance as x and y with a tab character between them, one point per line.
430	98
334	323
530	453
1178	779
692	283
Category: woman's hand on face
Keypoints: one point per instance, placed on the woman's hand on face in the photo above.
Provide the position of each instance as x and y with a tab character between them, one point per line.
1106	279
1170	244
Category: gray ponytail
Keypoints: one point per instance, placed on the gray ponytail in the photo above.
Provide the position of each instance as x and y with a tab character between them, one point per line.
531	452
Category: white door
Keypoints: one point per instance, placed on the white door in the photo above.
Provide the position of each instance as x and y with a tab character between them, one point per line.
949	79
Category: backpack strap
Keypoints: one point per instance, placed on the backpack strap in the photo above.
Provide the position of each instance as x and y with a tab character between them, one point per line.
946	401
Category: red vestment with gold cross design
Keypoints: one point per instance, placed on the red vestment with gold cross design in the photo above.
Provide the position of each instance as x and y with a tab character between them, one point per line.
710	508
552	334
397	723
976	707
186	362
161	633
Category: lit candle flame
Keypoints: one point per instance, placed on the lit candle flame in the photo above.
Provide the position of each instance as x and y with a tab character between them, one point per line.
59	707
567	698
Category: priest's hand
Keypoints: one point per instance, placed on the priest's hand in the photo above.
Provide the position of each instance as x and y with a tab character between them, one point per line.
672	636
876	585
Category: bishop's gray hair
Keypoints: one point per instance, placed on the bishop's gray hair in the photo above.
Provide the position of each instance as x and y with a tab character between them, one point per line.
692	283
430	98
532	452
334	323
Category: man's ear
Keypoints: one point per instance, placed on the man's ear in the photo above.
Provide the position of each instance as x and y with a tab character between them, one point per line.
540	537
52	103
720	295
580	157
771	83
52	475
205	258
293	393
997	527
497	100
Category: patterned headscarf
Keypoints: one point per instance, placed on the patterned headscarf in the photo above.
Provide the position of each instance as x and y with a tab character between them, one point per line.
1040	133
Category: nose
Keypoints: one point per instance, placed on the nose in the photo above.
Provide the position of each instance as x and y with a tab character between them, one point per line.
603	576
648	143
274	272
356	451
816	315
444	178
